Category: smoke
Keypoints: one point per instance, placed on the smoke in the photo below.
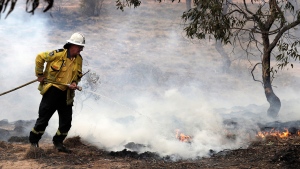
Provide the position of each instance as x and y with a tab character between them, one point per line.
146	81
23	35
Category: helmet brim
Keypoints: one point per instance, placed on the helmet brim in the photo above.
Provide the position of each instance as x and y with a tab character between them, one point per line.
75	43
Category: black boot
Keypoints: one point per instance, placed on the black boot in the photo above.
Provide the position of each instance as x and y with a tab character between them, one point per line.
60	147
34	138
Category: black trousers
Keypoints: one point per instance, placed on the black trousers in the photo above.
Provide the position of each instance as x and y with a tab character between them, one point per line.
53	100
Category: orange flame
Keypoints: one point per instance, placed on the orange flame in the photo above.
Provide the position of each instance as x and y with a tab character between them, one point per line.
276	133
182	137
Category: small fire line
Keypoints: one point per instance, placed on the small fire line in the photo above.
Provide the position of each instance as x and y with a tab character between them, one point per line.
277	133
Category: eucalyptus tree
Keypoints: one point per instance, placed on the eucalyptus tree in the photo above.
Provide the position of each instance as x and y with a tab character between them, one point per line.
261	28
257	24
226	62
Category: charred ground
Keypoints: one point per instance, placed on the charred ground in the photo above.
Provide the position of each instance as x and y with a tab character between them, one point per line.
270	152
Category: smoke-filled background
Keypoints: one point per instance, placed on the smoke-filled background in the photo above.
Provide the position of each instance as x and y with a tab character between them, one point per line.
146	80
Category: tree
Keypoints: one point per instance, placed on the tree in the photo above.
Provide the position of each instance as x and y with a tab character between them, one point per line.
220	47
226	62
266	26
91	7
188	4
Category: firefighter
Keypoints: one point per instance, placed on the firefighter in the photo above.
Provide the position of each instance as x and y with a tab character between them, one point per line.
63	66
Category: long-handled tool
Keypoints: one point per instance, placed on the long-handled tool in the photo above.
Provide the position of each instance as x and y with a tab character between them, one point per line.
19	87
78	87
48	81
53	82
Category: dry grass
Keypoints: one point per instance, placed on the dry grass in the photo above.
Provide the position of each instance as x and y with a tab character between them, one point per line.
73	142
35	153
4	145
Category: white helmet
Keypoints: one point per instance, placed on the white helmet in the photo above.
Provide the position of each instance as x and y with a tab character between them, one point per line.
77	39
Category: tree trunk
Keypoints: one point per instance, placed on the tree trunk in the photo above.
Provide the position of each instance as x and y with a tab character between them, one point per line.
188	4
220	48
273	100
226	62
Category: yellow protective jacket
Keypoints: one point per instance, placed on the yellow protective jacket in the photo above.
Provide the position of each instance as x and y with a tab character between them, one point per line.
55	60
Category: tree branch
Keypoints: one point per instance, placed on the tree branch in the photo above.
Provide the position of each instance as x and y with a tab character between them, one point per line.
253	74
280	33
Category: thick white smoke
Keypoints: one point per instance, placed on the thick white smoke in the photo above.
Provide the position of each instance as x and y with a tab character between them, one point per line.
23	36
152	82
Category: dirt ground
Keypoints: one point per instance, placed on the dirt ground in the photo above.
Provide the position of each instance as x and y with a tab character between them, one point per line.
271	152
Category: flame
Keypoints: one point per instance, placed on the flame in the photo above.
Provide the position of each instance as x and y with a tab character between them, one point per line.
276	133
182	137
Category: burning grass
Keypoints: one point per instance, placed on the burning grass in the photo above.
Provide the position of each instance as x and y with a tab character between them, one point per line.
280	137
276	133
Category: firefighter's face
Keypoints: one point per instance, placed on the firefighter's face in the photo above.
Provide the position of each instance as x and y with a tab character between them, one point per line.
75	49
